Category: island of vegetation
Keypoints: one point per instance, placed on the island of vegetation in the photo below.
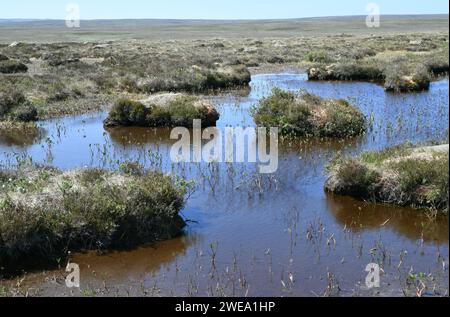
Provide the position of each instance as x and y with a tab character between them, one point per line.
45	213
404	175
162	110
307	115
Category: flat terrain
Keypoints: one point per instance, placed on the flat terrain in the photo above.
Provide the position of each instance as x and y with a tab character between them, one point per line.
64	71
248	234
109	30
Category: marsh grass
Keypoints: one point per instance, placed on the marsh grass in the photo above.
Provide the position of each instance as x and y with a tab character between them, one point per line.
400	71
402	175
12	66
44	213
307	115
177	110
15	107
73	78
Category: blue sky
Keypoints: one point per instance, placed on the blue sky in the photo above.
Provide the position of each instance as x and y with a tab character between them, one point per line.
212	9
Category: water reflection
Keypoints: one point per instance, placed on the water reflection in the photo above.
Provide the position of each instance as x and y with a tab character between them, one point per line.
410	223
135	264
20	138
254	215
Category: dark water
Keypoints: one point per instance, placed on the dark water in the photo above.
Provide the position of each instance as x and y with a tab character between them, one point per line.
254	234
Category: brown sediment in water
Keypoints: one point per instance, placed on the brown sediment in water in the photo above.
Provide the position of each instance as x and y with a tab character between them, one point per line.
261	230
359	216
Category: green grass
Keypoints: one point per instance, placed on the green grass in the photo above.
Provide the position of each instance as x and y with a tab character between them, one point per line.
307	115
44	213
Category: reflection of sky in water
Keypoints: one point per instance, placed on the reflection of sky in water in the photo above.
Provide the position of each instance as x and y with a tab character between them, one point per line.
248	213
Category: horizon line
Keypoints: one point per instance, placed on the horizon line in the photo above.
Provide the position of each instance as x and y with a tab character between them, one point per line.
218	20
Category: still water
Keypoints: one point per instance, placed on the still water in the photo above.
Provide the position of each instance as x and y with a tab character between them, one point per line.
259	235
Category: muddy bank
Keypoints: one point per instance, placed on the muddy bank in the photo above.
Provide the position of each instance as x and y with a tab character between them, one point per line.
46	213
403	175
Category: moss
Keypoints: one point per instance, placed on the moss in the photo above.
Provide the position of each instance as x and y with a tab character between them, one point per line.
87	210
401	175
74	78
424	182
177	110
309	115
128	112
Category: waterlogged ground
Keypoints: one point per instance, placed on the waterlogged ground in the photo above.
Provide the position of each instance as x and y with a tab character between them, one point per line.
260	235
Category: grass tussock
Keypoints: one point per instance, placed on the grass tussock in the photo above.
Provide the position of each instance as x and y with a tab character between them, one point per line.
44	213
346	71
403	176
15	107
307	115
401	71
73	78
9	66
164	110
194	79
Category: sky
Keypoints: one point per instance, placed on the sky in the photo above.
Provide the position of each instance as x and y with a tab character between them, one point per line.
211	9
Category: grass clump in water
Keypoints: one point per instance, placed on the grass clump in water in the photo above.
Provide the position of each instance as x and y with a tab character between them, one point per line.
399	71
346	71
44	213
305	114
164	110
404	176
398	80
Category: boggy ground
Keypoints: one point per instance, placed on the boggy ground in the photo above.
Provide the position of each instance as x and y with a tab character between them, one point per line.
46	213
323	240
69	78
404	175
